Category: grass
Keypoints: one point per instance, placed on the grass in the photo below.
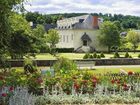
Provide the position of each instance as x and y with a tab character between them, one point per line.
104	70
97	70
47	56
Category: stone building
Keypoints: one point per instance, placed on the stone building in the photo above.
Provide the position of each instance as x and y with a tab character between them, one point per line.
80	33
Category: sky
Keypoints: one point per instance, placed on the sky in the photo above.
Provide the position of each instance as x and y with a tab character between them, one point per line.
125	7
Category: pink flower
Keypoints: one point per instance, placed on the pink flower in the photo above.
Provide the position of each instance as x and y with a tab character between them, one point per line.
4	94
11	88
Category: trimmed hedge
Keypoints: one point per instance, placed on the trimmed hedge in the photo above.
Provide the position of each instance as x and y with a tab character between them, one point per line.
64	50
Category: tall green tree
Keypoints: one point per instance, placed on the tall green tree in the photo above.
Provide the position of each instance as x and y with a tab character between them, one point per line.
52	39
20	44
6	7
134	38
39	34
109	35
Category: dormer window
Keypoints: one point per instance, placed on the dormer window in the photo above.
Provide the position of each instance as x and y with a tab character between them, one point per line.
81	20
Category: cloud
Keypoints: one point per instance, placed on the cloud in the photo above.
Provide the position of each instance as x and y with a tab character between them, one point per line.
126	7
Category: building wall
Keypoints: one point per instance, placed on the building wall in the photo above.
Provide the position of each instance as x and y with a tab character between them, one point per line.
66	39
72	39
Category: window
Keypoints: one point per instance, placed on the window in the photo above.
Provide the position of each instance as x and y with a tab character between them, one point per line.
85	43
60	40
72	37
63	38
67	39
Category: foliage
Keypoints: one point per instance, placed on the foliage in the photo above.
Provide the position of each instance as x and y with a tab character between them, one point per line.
65	50
40	43
52	39
18	22
20	44
134	38
64	66
122	22
109	32
98	56
116	55
6	9
94	55
126	55
139	56
102	55
30	66
21	96
86	56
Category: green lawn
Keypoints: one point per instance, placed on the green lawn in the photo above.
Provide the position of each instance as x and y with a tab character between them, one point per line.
98	70
47	56
115	70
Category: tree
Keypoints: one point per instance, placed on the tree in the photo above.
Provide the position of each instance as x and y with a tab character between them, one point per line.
20	44
6	7
39	34
52	40
134	38
109	35
18	22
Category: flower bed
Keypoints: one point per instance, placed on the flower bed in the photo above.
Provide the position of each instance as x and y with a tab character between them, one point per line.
74	87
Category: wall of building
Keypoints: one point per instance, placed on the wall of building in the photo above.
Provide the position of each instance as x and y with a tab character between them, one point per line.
66	39
93	34
72	39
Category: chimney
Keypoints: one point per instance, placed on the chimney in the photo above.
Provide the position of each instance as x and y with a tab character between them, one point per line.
95	22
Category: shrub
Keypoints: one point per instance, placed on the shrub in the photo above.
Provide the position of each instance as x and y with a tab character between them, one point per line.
116	55
29	66
94	55
130	56
86	56
64	50
64	66
90	56
102	55
126	55
98	56
139	56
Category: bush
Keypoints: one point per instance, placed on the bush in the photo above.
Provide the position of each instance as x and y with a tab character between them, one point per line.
90	56
94	55
98	56
86	56
102	55
139	56
64	66
64	50
116	55
126	55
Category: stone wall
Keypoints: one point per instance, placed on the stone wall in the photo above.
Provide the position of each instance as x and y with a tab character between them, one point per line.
99	62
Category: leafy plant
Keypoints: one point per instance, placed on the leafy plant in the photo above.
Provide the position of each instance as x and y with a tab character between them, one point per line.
86	56
116	55
102	55
126	55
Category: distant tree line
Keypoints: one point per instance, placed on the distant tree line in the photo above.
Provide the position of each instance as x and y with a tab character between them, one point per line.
125	21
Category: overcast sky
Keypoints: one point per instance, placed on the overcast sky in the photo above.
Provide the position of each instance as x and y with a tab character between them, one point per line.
126	7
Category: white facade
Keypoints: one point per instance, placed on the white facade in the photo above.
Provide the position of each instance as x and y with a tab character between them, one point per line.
80	33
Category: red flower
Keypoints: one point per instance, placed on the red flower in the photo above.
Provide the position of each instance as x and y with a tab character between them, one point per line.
124	85
94	81
130	73
39	80
112	81
1	77
4	94
11	88
118	81
76	86
84	81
